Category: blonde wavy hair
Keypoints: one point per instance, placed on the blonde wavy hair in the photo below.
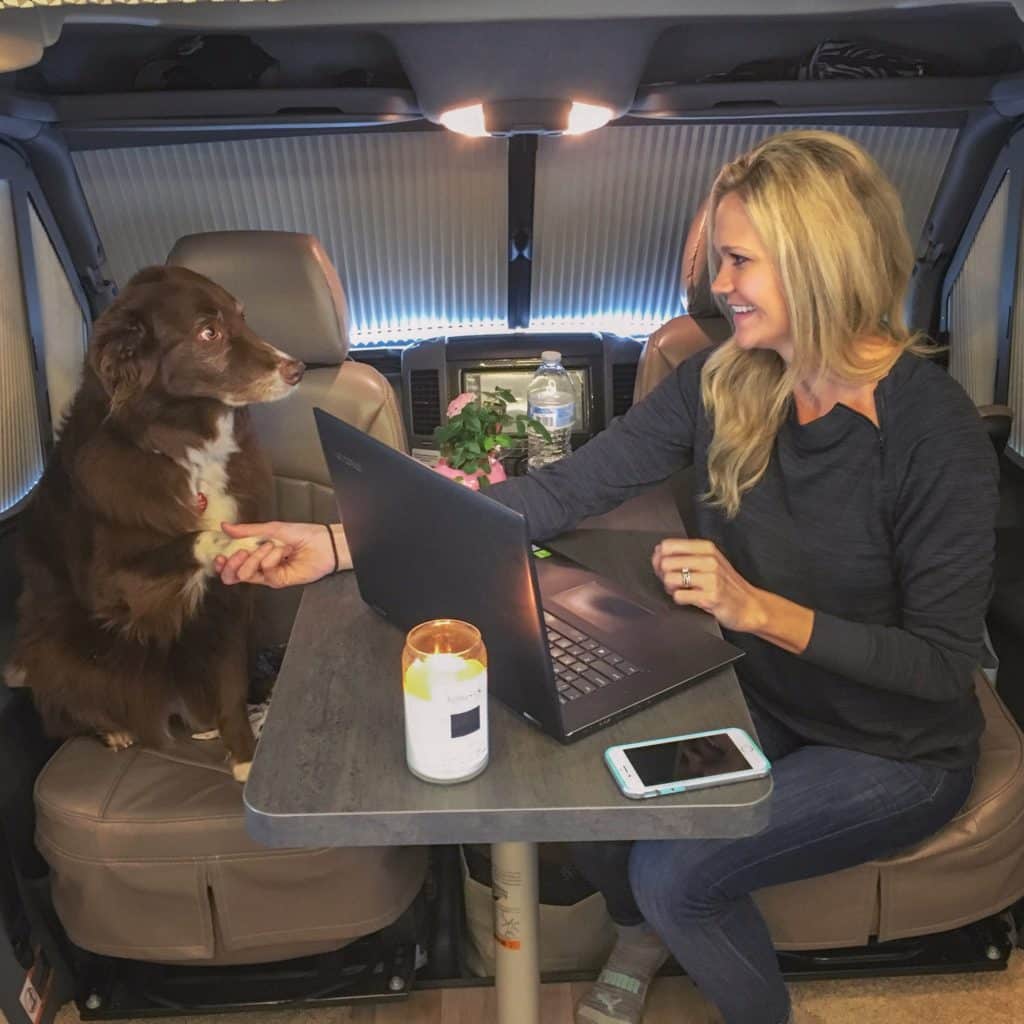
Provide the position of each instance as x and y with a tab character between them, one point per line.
832	225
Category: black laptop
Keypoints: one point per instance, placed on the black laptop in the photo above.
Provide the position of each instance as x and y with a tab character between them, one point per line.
567	649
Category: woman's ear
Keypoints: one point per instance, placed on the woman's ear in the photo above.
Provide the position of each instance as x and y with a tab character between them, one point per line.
121	354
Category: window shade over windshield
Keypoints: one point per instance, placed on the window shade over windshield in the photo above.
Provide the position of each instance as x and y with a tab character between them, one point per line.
613	208
415	222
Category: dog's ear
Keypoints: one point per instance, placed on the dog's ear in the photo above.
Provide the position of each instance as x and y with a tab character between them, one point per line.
122	354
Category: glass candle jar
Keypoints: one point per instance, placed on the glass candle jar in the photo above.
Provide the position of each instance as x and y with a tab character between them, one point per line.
444	678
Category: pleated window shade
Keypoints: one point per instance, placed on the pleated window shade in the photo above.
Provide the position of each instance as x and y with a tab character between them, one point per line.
21	445
1016	396
972	310
415	222
65	328
613	208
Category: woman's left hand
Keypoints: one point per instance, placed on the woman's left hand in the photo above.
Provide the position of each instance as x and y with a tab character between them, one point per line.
714	585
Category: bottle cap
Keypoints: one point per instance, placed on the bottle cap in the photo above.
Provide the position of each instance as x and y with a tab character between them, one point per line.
551	356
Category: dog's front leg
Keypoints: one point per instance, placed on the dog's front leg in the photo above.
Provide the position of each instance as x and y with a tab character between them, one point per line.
151	595
230	677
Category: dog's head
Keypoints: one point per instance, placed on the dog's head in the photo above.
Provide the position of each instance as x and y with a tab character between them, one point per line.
176	333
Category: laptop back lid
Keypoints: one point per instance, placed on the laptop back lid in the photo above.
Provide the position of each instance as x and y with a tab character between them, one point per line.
424	547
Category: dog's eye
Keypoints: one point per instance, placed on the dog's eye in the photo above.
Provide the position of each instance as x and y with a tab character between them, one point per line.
209	334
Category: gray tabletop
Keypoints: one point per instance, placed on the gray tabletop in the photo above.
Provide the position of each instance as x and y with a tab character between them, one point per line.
330	767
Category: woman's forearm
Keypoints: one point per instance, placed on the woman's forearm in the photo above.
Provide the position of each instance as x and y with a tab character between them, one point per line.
784	623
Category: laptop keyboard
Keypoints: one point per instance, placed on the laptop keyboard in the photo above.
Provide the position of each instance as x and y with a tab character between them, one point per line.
582	664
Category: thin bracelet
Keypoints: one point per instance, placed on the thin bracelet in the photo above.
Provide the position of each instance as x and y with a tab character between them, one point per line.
334	546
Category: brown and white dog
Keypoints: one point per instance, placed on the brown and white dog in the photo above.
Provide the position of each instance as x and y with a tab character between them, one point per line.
122	622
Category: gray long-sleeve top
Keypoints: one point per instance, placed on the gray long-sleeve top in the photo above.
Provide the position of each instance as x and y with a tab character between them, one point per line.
886	533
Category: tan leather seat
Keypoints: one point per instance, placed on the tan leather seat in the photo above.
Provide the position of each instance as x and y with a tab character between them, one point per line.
970	869
148	851
702	324
293	298
681	337
149	860
973	867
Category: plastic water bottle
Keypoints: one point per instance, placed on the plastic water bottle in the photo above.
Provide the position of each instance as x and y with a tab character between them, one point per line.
551	400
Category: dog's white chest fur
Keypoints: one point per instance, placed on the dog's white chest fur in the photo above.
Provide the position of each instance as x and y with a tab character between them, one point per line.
208	479
208	475
207	468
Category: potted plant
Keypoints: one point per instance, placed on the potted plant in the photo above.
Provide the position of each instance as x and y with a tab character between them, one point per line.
478	431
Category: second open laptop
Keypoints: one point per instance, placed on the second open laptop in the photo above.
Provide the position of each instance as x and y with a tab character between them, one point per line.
567	649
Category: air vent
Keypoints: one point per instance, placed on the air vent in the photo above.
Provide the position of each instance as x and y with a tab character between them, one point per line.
623	382
385	361
425	397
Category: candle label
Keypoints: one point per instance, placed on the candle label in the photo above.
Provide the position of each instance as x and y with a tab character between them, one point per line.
445	716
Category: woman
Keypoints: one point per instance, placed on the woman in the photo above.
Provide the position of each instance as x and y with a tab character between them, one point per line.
845	535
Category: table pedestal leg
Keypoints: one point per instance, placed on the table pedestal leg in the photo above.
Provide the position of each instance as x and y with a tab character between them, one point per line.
516	927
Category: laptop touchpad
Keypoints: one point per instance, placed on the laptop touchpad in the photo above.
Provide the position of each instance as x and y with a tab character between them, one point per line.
595	603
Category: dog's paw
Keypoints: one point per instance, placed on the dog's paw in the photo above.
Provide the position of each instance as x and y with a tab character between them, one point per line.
118	740
210	544
245	544
240	770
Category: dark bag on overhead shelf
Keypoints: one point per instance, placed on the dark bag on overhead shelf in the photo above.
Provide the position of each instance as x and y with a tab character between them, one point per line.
210	62
838	58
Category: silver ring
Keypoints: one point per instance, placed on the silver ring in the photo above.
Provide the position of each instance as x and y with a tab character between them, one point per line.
684	576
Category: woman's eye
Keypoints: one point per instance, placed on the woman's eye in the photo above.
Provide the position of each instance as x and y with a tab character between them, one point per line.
737	259
209	334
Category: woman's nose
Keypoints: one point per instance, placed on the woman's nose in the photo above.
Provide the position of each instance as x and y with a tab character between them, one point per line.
721	284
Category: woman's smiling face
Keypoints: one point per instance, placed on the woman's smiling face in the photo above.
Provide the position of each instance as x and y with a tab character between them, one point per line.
748	282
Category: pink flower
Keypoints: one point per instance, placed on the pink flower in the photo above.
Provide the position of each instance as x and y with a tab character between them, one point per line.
459	402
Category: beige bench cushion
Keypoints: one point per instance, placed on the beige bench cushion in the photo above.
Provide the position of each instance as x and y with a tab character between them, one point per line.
971	868
150	860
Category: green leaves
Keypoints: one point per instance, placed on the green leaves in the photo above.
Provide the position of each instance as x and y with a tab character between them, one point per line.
482	429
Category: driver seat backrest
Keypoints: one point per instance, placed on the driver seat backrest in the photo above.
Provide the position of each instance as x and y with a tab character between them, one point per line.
294	299
701	326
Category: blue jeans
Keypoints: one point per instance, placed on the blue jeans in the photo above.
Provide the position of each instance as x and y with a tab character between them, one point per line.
831	809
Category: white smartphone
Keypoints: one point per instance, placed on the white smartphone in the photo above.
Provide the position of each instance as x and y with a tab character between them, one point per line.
680	763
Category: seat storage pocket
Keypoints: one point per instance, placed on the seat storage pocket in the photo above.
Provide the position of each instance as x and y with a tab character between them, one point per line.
576	933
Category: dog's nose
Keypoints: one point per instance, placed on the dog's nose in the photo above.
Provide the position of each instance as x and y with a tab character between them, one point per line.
292	370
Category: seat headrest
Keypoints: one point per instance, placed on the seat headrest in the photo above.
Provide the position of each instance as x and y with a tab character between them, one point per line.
694	280
288	286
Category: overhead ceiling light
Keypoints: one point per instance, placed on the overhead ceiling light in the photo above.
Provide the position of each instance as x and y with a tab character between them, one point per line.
466	120
585	117
526	117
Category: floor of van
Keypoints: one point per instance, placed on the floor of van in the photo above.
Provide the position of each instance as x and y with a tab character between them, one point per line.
989	998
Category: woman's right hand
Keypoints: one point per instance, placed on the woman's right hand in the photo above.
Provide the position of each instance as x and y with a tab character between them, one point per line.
302	554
